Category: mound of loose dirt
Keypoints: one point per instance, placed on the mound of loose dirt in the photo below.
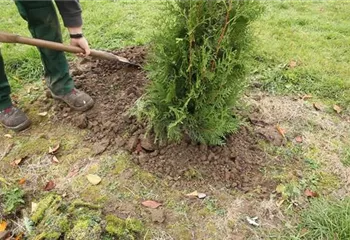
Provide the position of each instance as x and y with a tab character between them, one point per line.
115	87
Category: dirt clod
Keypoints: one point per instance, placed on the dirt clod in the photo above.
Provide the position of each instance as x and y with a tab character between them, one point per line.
157	215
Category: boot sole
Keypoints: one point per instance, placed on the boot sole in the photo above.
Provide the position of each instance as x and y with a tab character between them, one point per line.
84	108
19	127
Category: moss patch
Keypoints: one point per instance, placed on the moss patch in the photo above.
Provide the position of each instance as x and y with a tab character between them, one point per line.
54	218
123	229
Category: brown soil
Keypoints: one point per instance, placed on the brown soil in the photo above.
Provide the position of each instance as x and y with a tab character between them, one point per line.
115	87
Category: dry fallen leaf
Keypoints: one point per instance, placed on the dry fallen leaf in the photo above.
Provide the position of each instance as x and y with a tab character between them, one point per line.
317	106
3	226
281	131
192	194
280	188
151	204
306	97
196	194
54	159
292	64
309	193
73	172
54	150
22	181
8	135
49	185
280	202
19	237
43	114
18	161
93	179
253	221
34	207
337	109
299	139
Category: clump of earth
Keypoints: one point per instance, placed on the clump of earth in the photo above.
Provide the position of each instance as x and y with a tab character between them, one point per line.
115	87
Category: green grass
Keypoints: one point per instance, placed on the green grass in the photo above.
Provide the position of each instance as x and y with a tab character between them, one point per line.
325	219
313	34
346	157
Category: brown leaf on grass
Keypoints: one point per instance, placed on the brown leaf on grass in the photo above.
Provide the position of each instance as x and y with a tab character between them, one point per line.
299	139
309	193
54	150
49	185
3	226
292	64
151	204
317	106
281	131
21	181
54	159
42	114
337	109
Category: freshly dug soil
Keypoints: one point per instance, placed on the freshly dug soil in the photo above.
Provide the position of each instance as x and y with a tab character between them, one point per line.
115	87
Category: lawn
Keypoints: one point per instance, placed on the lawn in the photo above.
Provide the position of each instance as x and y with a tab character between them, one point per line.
298	72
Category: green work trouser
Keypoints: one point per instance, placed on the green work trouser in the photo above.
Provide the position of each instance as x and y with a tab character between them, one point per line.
42	23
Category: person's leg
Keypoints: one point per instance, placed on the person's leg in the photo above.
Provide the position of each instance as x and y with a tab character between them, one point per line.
5	90
10	116
43	24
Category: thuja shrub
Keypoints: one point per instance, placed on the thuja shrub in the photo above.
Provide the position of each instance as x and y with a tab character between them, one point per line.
196	68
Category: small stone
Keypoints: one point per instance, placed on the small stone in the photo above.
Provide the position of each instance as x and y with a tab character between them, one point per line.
132	143
142	158
227	176
81	121
100	147
147	143
157	215
203	148
119	142
106	125
211	156
155	153
48	94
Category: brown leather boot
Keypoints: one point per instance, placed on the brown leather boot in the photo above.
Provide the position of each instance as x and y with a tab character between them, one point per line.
76	99
14	119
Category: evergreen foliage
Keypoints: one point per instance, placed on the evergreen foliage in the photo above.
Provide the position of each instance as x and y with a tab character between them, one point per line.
197	70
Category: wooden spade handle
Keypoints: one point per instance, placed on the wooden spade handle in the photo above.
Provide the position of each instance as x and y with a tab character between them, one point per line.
13	38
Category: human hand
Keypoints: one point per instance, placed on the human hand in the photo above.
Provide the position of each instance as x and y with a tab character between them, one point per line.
79	41
83	44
